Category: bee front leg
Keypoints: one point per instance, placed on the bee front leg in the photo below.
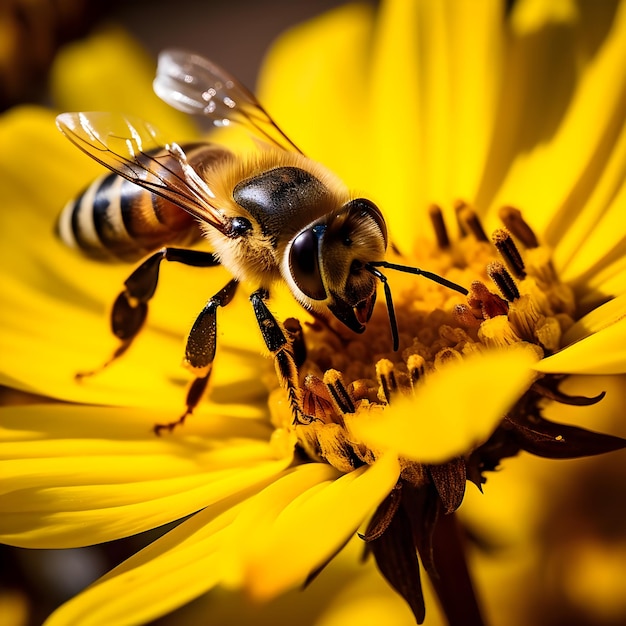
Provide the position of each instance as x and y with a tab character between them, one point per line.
200	351
282	351
130	308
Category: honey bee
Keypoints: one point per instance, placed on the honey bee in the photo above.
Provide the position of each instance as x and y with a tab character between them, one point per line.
271	216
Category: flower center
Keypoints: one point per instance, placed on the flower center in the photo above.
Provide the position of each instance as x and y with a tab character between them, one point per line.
514	296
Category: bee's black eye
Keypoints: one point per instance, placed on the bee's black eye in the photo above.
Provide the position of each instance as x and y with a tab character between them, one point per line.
304	263
239	226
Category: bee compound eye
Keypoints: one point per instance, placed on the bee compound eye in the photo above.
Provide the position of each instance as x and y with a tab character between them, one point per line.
304	263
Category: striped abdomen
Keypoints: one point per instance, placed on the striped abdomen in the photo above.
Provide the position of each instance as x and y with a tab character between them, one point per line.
117	220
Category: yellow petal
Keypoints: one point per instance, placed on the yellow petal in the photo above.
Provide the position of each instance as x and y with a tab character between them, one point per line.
323	110
258	514
607	283
348	591
603	352
475	41
574	123
169	572
431	128
595	239
285	548
601	317
396	111
458	45
77	475
456	409
530	16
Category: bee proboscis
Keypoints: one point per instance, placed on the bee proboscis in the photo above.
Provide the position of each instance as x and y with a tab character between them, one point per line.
271	216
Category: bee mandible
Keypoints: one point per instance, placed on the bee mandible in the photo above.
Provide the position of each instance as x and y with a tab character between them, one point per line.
270	216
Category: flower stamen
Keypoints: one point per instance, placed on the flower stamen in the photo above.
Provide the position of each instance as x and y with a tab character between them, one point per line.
505	245
417	368
339	393
503	280
386	379
471	222
459	205
439	226
513	220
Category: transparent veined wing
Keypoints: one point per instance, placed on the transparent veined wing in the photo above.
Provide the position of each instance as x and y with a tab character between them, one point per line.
192	84
134	149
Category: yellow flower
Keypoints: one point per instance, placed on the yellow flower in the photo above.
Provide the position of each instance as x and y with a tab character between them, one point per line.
455	106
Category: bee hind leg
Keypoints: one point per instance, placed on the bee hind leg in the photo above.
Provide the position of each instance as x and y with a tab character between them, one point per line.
281	348
200	352
130	308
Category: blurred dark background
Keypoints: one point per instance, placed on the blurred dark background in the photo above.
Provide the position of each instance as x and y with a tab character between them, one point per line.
235	33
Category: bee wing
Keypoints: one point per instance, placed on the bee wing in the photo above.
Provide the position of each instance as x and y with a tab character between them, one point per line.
135	150
193	84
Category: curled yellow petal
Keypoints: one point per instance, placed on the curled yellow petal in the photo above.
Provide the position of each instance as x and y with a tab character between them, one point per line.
603	352
313	527
596	320
456	408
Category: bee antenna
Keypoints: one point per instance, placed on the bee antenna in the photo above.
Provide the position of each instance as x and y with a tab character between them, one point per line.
416	270
390	310
371	268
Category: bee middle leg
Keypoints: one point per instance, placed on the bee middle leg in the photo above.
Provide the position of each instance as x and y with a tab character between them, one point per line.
281	347
200	352
130	308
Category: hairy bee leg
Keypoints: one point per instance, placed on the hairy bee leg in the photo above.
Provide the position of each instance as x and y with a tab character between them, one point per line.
296	337
130	308
200	351
282	351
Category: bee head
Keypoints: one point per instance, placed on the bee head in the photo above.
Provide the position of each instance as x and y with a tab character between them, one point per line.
327	262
